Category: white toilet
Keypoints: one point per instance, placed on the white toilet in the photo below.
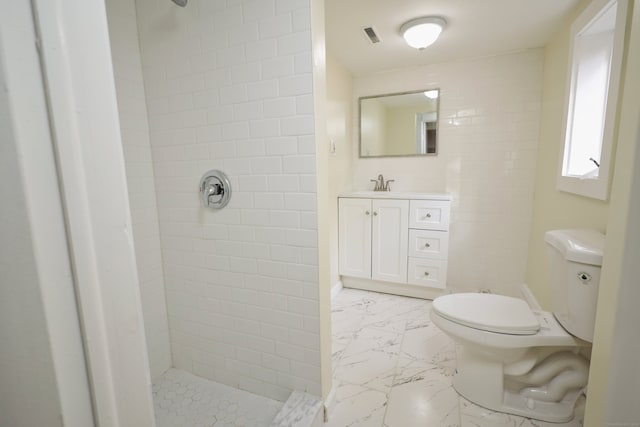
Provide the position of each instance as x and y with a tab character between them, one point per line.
527	362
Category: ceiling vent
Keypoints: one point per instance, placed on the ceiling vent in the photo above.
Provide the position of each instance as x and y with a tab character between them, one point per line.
370	32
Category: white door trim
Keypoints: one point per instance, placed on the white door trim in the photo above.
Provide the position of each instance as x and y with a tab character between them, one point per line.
78	77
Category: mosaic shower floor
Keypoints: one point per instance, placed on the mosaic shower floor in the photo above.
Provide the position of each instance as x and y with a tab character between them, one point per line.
393	368
181	399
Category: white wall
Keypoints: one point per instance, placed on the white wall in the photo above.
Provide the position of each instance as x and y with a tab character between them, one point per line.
134	127
613	377
554	209
339	131
229	86
488	136
28	395
43	376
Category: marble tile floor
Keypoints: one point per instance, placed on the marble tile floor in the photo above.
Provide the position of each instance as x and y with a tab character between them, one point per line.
181	399
393	368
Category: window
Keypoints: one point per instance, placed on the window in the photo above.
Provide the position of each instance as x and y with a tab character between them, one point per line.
596	57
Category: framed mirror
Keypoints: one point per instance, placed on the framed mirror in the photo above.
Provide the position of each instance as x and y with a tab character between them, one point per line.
399	124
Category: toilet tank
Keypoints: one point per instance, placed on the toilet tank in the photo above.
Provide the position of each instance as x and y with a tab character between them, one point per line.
575	258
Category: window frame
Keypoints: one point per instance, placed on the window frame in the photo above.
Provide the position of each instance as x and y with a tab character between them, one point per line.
594	187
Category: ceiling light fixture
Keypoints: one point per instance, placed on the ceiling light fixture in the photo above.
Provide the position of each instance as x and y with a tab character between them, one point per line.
420	33
431	94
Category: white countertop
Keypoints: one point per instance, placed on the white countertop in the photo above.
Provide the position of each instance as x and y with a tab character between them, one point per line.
395	195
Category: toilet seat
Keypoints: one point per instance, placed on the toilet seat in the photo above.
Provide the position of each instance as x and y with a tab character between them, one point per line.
488	312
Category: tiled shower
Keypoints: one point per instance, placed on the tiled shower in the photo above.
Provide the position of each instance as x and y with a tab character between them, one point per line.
228	295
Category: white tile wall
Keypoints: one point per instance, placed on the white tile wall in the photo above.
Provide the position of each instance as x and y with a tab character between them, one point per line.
228	86
488	137
142	197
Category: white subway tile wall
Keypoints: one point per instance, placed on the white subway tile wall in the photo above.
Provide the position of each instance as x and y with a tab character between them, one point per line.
229	87
127	69
488	138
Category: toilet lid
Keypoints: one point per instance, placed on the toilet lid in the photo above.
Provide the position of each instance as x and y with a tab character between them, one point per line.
488	312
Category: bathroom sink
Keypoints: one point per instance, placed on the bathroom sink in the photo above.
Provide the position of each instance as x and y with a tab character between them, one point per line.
396	195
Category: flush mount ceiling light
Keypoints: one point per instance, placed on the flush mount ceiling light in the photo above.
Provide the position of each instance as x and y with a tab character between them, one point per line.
422	32
431	94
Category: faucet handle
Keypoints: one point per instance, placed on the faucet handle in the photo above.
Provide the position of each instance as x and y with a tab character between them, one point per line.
377	187
387	187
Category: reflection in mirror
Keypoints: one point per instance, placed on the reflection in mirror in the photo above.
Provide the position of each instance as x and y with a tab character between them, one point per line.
403	124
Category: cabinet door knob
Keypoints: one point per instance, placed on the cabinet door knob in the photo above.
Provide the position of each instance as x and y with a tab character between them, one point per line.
428	215
427	245
366	212
375	213
426	273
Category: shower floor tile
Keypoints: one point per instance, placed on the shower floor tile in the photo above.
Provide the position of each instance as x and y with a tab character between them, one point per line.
181	399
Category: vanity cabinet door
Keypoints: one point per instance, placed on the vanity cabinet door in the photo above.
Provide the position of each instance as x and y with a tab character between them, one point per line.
389	242
354	231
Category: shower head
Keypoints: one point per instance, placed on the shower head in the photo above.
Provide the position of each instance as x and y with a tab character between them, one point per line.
181	3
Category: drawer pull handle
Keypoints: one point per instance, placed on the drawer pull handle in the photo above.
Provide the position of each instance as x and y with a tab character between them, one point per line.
426	273
427	245
428	215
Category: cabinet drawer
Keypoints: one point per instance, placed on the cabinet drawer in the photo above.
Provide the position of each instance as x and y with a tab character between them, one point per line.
428	244
427	272
429	214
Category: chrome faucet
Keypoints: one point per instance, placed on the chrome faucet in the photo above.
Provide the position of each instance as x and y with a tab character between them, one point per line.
381	185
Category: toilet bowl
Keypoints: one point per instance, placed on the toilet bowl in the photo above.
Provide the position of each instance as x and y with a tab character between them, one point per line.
532	363
495	354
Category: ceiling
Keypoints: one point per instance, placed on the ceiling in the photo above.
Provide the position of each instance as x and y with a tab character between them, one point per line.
475	28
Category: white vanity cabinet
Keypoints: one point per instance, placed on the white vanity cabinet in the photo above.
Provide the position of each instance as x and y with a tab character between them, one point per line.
373	239
393	242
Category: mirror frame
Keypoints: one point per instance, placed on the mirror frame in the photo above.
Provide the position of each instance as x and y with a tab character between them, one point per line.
360	99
